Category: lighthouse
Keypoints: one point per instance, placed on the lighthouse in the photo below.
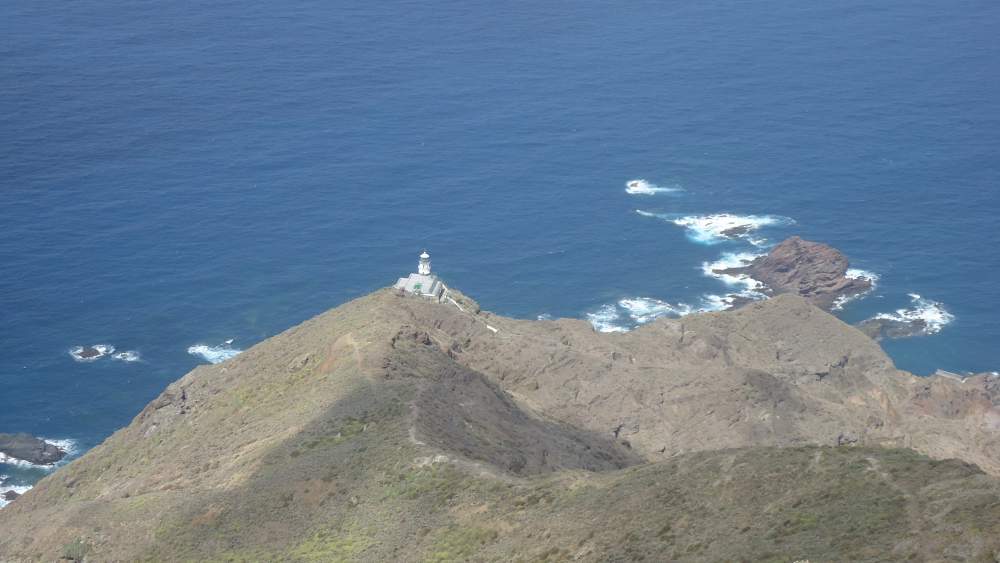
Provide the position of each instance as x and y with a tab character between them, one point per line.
423	282
424	266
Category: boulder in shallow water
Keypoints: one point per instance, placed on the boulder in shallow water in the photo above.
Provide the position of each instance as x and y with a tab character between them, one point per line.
88	352
9	495
91	353
26	447
880	328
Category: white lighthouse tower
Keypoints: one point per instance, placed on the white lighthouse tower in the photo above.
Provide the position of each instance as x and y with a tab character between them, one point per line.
424	266
422	283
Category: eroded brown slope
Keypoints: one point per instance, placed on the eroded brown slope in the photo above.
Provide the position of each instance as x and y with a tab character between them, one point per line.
779	372
283	421
384	430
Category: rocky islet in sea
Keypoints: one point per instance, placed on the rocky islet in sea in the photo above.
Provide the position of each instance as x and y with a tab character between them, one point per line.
27	448
816	271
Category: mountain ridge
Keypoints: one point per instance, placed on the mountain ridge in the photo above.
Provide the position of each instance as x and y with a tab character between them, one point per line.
472	431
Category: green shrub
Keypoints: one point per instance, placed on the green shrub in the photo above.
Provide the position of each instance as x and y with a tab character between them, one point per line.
458	543
75	550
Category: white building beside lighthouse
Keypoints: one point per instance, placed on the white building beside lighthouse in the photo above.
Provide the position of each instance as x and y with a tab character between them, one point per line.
423	282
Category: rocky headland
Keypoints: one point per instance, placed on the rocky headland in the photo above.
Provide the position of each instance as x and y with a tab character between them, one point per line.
813	270
397	428
27	448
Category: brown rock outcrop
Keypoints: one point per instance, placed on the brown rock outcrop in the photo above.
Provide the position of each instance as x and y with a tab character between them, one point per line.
779	372
814	270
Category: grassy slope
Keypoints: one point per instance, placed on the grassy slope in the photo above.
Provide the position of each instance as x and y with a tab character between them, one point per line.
301	450
807	503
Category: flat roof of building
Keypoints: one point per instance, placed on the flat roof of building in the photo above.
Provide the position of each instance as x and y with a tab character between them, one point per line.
421	285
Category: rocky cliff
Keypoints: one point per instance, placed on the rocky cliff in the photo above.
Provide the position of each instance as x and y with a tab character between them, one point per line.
397	428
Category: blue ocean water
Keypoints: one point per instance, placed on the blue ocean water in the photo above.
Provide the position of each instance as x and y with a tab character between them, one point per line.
180	173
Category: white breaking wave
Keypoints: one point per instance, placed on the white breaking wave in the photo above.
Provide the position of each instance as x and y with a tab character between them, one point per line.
8	460
627	314
749	288
724	302
733	260
712	229
4	487
127	356
717	302
856	274
69	447
644	309
607	319
931	313
642	187
215	354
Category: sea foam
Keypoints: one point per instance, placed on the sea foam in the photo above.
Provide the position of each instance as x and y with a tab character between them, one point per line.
931	313
215	354
629	313
644	309
859	274
856	274
127	356
5	487
713	229
717	302
642	187
607	319
714	303
730	260
69	447
747	287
